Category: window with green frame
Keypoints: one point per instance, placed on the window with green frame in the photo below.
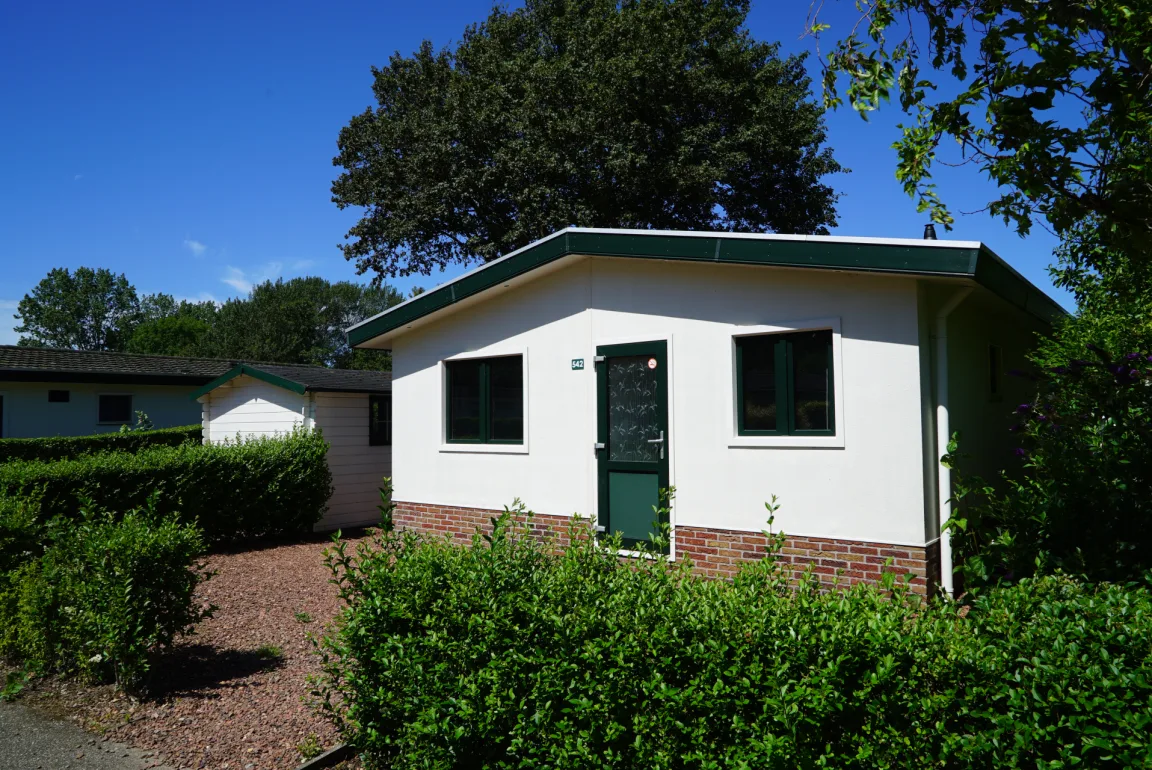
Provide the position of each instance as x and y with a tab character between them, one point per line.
784	384
485	400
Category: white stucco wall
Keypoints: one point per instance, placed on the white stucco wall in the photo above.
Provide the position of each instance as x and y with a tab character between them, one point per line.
866	484
981	419
28	414
357	468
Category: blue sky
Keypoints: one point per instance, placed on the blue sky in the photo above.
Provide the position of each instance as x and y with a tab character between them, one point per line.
189	145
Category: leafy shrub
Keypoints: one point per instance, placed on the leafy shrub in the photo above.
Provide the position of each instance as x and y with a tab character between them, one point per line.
22	542
1081	500
62	447
20	537
257	487
513	653
106	595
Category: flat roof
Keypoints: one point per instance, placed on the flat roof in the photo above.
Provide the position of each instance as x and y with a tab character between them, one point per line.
904	256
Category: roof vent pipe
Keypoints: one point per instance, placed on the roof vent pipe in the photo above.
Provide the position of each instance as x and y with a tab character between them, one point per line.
929	232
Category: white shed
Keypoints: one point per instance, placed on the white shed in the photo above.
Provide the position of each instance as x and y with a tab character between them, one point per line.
588	370
352	408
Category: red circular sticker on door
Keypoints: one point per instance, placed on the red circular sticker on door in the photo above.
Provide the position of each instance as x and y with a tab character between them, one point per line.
651	363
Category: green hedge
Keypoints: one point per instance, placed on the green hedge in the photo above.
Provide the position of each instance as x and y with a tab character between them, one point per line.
258	487
62	447
96	594
511	654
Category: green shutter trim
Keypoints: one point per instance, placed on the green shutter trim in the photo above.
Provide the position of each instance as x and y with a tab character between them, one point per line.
979	264
253	372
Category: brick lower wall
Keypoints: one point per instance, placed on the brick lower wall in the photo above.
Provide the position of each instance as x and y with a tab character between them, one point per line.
717	552
720	552
462	523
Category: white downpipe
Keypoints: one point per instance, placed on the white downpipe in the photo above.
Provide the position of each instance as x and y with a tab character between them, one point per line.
943	435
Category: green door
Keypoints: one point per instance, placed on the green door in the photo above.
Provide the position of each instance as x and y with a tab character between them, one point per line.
632	436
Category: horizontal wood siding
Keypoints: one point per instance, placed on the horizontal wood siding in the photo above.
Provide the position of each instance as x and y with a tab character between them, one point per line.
248	407
356	467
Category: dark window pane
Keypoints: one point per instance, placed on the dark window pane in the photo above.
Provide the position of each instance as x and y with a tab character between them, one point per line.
115	409
506	398
464	401
812	383
758	372
58	396
380	420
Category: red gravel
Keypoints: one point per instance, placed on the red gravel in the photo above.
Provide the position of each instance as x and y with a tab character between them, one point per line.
221	702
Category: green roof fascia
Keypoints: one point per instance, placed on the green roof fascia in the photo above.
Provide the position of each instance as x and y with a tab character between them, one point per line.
980	264
251	371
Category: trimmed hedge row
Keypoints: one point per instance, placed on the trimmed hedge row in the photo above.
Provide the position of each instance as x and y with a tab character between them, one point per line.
510	654
257	487
62	447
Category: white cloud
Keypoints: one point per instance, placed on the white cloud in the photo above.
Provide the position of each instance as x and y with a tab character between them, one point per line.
243	281
235	278
302	264
8	335
77	178
196	247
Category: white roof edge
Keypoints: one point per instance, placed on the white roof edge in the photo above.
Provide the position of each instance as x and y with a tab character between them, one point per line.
692	234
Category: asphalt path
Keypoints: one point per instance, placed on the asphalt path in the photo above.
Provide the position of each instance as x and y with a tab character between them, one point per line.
32	741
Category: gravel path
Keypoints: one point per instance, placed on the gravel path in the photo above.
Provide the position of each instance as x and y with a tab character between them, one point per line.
232	695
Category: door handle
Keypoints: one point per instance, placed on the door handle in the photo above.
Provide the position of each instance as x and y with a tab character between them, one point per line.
659	441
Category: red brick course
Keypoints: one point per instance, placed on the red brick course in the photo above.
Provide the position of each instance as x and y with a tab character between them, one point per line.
720	552
462	523
716	552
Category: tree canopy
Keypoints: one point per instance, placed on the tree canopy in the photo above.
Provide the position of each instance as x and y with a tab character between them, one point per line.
84	310
641	113
1055	107
299	321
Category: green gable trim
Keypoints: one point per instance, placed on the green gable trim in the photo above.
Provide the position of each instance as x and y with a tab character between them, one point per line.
251	371
978	264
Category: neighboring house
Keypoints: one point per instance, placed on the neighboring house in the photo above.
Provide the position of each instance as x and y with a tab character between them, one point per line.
590	369
352	408
50	392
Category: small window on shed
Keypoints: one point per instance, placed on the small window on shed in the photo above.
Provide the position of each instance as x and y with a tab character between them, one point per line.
114	408
58	396
380	420
995	372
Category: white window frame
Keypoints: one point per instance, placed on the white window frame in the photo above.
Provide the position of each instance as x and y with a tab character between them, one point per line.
131	407
489	449
736	441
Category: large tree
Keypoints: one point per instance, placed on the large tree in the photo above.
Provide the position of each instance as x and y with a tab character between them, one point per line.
640	113
1055	107
83	310
299	321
